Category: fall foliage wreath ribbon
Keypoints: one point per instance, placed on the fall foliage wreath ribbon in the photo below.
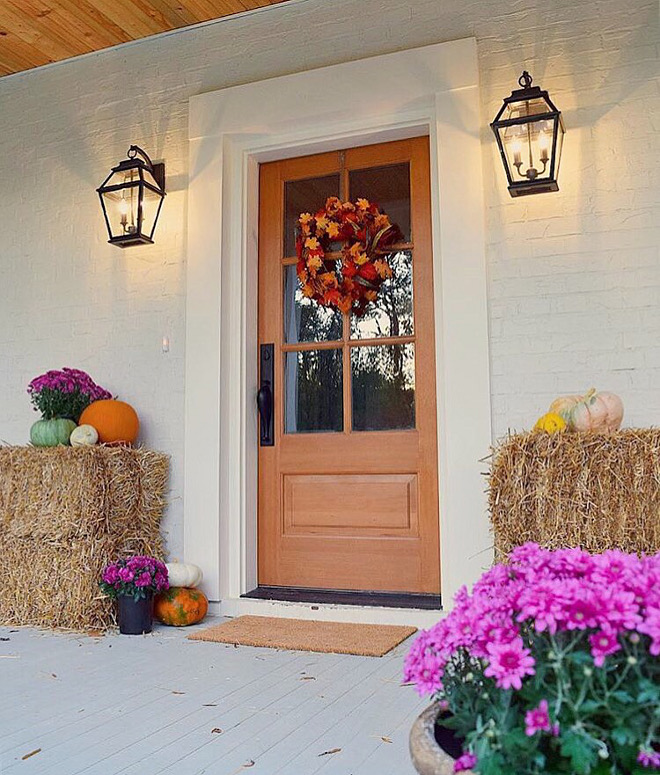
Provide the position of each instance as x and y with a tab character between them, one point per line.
353	280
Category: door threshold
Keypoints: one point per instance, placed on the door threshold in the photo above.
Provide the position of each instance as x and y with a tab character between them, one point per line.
429	602
326	612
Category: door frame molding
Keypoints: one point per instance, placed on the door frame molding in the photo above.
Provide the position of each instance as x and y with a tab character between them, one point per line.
432	90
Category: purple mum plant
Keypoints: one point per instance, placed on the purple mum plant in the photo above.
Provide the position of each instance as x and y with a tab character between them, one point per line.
134	577
64	394
550	665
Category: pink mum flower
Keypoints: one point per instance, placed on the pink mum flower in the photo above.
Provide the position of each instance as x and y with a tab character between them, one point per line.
143	580
621	611
465	762
538	719
543	603
530	559
509	663
651	627
110	574
583	611
571	563
493	628
125	574
161	582
424	666
612	566
603	643
429	674
649	758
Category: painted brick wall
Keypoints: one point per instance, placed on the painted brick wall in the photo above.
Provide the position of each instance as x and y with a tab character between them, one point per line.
574	277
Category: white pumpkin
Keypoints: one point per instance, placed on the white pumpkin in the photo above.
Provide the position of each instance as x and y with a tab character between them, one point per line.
83	436
181	574
595	412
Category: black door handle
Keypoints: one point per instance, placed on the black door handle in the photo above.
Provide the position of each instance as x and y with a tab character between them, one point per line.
265	406
265	395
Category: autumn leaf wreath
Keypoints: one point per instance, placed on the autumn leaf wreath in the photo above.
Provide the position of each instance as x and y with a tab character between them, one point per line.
351	278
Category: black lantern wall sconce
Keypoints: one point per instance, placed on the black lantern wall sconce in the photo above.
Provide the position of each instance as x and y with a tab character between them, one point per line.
529	131
131	198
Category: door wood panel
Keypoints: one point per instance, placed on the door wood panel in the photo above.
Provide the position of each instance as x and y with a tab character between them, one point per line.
369	504
350	509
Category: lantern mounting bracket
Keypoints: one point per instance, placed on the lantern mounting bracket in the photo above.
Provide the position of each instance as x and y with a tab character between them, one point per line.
157	169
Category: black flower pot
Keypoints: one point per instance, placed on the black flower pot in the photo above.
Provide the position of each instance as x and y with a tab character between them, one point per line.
136	616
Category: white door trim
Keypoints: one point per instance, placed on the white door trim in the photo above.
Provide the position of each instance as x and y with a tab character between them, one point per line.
430	90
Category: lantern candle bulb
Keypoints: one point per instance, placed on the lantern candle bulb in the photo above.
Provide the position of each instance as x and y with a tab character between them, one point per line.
123	212
516	147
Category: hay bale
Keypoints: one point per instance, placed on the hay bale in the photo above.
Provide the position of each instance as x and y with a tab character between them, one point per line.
64	514
594	490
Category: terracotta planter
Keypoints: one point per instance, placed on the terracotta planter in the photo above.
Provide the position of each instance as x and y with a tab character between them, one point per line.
426	754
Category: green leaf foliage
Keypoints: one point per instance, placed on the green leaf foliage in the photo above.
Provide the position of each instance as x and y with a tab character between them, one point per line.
601	716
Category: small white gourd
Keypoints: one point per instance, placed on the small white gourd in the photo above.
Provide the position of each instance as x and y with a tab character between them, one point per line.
83	436
181	574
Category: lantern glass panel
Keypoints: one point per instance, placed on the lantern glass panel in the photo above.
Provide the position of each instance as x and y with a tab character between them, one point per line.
528	148
121	206
150	205
560	144
526	108
149	178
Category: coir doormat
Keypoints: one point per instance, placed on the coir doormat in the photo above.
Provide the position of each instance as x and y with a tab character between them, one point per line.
367	640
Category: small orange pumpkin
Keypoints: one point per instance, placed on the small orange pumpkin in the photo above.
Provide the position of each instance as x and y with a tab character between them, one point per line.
115	421
181	606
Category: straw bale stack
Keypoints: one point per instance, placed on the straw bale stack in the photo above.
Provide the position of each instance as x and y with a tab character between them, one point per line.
595	490
64	514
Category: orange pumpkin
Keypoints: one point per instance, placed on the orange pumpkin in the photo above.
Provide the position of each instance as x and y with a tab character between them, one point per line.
181	606
115	421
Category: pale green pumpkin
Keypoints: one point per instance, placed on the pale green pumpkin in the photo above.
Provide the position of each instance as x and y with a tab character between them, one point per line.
51	433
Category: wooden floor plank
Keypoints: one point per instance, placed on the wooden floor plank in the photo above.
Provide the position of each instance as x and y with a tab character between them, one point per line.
175	739
279	721
373	728
243	725
110	668
395	759
127	727
149	705
335	728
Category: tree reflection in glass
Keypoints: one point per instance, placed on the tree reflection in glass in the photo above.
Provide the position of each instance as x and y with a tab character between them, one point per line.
306	320
304	196
383	387
392	312
313	394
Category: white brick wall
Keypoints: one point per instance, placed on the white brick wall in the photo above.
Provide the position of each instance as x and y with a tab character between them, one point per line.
574	276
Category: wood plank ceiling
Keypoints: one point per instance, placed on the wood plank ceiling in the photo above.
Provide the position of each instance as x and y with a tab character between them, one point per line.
37	32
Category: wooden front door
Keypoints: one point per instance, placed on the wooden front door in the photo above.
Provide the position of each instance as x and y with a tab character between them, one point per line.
348	491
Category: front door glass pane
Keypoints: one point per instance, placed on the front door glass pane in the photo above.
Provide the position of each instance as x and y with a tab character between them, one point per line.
392	312
304	196
306	320
383	387
389	188
313	392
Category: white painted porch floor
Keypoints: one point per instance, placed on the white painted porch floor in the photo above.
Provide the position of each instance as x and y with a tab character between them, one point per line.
162	704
